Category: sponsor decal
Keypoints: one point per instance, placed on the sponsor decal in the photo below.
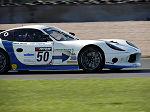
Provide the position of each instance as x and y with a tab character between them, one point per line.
37	43
28	54
43	49
73	58
71	61
29	60
63	57
14	66
109	62
51	62
20	43
6	34
63	49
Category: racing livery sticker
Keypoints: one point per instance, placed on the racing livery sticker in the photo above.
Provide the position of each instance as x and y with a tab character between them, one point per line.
71	61
43	49
29	60
28	54
51	62
73	58
14	66
37	43
63	49
21	43
6	34
62	57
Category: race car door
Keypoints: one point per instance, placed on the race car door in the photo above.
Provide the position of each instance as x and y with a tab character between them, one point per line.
32	48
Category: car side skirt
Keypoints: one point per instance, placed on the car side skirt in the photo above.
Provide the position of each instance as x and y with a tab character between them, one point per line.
45	67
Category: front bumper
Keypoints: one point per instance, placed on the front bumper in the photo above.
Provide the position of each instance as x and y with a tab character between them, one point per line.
123	66
122	60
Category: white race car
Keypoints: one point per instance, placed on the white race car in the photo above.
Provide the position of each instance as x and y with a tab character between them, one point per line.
40	47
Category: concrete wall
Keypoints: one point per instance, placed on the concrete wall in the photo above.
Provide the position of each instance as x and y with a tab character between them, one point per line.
74	13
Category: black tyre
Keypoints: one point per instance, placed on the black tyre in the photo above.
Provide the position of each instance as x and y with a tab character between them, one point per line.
91	59
4	62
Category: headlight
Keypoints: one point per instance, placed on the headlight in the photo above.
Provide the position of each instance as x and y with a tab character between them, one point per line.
114	47
131	44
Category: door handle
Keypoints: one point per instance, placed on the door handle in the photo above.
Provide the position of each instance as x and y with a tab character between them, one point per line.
19	50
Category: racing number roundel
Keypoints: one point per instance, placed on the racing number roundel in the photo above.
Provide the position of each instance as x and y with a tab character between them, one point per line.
43	53
42	56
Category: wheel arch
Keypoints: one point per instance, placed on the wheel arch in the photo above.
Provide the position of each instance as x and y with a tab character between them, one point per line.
91	45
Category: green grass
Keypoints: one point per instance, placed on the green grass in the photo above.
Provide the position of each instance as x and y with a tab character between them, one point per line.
75	95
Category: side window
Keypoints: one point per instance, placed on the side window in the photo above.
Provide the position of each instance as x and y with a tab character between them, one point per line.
7	35
29	35
20	35
38	36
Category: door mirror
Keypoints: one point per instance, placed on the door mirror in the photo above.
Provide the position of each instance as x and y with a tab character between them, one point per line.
73	34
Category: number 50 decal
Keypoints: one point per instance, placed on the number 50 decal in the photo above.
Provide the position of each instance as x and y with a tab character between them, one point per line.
42	56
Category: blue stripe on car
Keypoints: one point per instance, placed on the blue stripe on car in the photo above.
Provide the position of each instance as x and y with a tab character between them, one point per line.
13	60
48	67
9	48
116	66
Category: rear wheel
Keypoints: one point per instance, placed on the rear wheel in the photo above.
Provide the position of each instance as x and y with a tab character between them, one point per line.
91	59
4	62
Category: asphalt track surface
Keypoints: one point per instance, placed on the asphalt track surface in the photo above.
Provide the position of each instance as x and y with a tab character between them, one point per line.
140	72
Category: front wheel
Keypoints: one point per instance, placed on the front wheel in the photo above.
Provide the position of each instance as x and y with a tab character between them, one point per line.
91	59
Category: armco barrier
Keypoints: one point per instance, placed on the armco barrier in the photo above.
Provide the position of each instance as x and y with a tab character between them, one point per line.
74	13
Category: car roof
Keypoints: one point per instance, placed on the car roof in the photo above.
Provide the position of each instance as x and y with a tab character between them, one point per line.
40	27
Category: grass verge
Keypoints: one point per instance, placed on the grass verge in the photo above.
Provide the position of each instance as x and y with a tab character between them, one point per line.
75	95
